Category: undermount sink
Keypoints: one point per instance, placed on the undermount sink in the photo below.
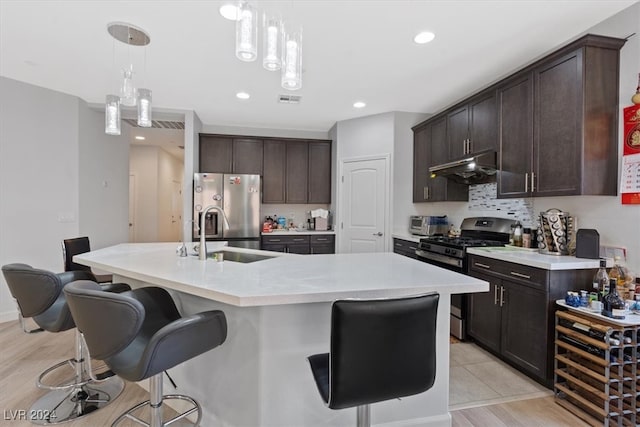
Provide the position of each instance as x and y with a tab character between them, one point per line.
242	256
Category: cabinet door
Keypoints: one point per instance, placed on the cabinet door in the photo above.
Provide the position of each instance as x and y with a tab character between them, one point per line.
421	162
485	313
524	327
215	154
319	172
515	101
274	172
302	249
457	131
247	156
297	172
322	249
273	247
558	122
483	123
442	189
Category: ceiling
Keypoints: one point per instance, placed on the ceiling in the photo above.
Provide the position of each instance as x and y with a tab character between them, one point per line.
352	51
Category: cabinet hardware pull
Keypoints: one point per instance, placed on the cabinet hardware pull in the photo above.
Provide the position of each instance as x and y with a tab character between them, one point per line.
482	265
501	295
495	295
324	240
413	248
425	193
524	276
464	146
526	182
274	240
533	181
298	240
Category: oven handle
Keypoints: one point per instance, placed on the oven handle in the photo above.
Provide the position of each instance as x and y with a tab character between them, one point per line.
439	258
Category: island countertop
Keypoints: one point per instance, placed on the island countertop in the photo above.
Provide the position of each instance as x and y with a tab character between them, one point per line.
283	279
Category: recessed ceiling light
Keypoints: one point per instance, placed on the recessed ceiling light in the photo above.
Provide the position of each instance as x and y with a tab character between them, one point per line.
229	11
140	138
424	37
243	95
359	104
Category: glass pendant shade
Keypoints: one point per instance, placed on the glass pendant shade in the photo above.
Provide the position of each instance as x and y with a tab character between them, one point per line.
112	115
292	60
271	43
144	108
247	33
127	90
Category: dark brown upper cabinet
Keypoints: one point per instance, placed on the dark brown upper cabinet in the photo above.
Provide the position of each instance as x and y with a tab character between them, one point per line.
559	122
319	172
297	172
473	127
430	148
223	154
274	178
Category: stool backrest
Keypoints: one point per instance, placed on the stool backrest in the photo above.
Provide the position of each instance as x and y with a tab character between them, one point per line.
381	349
35	290
75	246
108	321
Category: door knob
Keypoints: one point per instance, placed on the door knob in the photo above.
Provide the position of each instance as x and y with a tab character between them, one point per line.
377	234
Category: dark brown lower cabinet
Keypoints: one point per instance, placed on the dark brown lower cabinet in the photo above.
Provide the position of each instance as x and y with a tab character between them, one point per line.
299	244
514	320
405	247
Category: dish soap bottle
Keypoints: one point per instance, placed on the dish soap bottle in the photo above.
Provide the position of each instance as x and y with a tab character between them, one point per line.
517	234
601	280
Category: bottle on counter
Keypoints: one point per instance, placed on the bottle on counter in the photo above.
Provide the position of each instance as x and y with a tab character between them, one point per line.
517	234
612	303
601	280
526	237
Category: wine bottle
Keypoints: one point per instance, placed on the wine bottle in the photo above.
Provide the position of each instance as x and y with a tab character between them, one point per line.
601	280
612	303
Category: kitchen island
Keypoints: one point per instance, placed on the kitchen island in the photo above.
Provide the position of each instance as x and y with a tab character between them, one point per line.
278	313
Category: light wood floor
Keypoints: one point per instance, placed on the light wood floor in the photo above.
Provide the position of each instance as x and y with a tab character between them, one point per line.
23	357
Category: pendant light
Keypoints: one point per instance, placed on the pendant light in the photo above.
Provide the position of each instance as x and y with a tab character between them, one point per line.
247	33
292	60
144	108
271	42
129	96
112	115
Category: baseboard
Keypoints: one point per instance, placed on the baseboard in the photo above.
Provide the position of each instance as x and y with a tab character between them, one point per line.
8	316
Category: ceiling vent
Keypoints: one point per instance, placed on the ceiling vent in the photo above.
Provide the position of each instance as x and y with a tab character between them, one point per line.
289	99
158	124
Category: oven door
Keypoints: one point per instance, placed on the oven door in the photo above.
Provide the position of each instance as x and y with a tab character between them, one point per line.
458	301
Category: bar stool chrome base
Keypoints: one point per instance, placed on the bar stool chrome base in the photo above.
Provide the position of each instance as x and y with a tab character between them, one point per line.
59	406
156	405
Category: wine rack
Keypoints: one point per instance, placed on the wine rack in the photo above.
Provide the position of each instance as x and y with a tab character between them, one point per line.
596	372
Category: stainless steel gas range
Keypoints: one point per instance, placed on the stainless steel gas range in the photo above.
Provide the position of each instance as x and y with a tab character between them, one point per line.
451	253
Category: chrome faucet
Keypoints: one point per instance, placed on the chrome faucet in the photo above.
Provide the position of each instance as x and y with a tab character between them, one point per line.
202	253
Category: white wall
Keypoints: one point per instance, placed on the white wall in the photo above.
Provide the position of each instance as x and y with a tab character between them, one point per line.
41	179
617	224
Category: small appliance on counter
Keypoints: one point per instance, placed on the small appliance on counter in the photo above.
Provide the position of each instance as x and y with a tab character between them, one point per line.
428	225
556	233
320	219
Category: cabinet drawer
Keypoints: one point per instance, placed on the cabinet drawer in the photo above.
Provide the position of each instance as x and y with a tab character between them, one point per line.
285	239
322	239
532	276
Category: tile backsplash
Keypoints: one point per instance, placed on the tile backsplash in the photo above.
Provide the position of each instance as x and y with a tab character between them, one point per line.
483	199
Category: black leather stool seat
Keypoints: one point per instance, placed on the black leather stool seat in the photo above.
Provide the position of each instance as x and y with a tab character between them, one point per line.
140	333
76	246
39	295
380	350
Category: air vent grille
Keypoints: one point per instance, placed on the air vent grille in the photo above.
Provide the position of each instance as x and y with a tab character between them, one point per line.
289	99
158	124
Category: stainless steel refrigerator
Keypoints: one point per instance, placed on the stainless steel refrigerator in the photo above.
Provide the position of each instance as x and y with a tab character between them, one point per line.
239	196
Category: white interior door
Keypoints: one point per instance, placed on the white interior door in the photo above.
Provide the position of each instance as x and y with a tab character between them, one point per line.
364	206
176	211
132	208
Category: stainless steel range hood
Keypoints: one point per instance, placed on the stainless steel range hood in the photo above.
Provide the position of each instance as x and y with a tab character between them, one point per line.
472	169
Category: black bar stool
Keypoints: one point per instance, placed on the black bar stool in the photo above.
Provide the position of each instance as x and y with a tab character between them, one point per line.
380	349
38	294
76	246
139	334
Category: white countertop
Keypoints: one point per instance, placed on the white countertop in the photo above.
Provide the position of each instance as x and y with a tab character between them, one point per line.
284	279
406	236
297	232
536	259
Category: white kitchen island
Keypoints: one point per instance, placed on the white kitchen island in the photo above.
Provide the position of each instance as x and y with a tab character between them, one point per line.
278	313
